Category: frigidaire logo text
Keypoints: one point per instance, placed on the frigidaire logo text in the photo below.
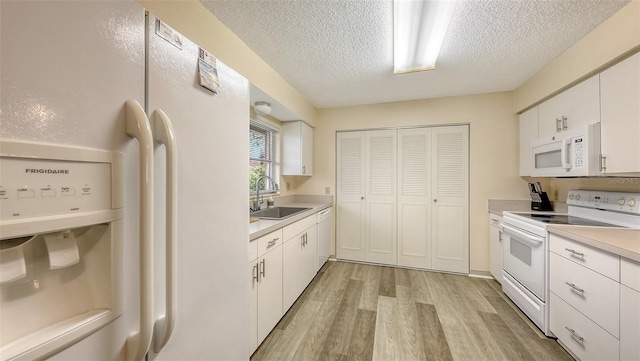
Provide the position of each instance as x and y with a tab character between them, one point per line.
46	171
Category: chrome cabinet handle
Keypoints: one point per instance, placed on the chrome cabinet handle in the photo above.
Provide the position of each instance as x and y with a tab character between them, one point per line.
603	163
272	242
256	274
577	289
565	124
574	334
262	263
500	236
575	253
558	126
304	169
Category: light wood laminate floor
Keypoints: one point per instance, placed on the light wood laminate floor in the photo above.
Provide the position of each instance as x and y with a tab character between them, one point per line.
353	311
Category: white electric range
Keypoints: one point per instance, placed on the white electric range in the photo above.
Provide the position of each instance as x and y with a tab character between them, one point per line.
525	244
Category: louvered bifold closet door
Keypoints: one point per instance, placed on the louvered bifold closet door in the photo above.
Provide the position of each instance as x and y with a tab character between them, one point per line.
414	197
450	203
350	193
380	197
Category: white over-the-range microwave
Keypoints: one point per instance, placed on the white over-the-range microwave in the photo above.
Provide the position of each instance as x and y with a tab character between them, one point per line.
572	153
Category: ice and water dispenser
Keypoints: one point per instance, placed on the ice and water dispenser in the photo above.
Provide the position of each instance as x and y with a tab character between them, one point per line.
61	232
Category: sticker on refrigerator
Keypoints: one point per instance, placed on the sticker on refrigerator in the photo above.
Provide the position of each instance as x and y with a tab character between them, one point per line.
167	33
208	71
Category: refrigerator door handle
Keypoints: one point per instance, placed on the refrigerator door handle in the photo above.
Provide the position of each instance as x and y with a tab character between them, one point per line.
163	133
137	126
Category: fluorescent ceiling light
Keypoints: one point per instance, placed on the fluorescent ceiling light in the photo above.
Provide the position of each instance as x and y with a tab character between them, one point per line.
419	27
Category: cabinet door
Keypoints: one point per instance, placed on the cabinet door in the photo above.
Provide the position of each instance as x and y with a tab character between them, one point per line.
253	307
495	246
414	198
629	323
306	149
576	106
450	198
311	254
350	211
380	197
299	262
269	292
528	133
297	149
620	127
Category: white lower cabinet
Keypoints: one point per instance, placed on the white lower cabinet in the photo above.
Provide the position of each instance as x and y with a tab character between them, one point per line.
281	264
629	310
300	254
594	301
495	246
589	292
266	287
583	337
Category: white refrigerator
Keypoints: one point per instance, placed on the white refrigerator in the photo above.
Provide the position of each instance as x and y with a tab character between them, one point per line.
67	68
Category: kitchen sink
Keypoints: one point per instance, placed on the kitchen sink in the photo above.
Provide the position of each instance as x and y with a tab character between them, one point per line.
278	212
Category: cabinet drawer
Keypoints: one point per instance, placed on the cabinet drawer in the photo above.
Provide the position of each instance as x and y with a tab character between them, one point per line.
597	260
268	242
298	227
630	273
253	250
591	293
588	340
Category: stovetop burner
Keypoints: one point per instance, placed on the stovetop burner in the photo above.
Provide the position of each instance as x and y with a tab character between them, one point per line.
564	219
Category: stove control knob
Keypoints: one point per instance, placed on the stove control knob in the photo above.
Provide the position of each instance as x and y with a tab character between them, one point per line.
577	197
621	201
631	202
571	196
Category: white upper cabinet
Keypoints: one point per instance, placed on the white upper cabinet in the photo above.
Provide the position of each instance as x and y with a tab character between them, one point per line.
528	133
576	106
620	126
297	149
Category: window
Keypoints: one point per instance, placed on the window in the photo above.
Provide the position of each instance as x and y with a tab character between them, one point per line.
262	139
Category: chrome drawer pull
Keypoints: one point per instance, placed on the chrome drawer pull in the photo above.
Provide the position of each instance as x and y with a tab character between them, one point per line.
256	274
573	333
272	243
573	286
575	253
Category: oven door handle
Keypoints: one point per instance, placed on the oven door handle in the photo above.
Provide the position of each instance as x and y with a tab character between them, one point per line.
523	236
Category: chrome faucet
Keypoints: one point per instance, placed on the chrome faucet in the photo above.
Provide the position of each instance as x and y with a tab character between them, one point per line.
257	202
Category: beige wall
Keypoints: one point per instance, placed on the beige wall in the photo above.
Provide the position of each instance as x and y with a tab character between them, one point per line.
493	149
194	21
614	39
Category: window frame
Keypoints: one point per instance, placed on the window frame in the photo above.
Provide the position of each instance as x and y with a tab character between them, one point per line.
273	151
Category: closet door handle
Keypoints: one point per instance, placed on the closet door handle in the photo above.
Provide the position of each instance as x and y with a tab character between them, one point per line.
163	133
137	126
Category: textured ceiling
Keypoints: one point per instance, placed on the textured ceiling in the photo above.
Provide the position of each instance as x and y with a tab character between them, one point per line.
340	53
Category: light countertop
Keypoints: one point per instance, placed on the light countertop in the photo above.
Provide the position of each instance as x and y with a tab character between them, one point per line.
623	242
497	206
265	226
